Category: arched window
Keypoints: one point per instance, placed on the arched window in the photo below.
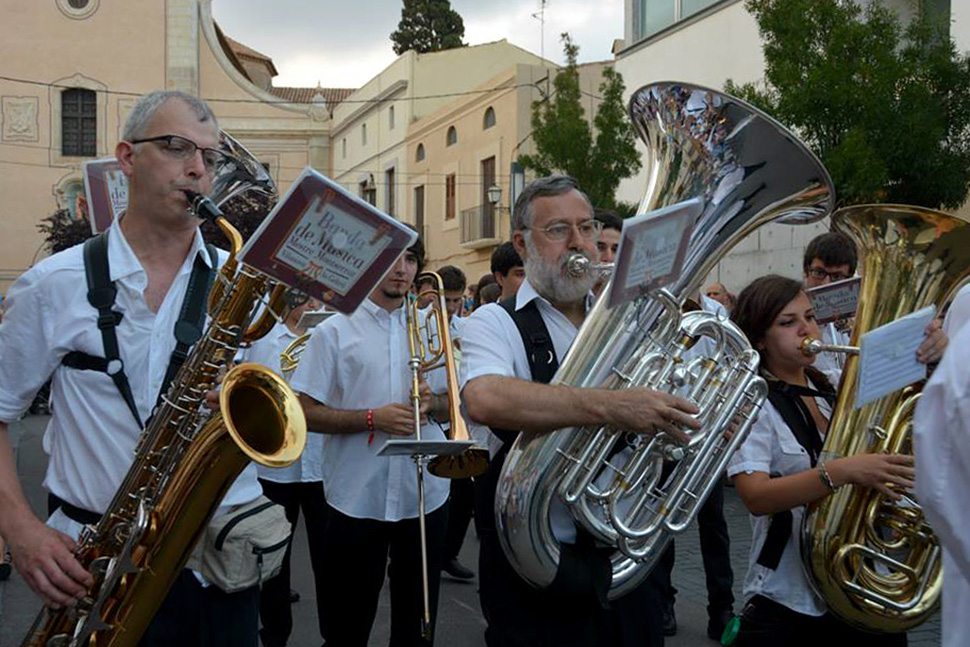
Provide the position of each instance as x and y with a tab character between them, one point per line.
489	119
419	154
452	138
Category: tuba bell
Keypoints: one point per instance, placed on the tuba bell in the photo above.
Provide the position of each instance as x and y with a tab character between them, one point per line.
747	170
876	562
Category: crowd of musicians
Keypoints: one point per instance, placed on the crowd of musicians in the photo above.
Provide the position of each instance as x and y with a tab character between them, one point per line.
353	379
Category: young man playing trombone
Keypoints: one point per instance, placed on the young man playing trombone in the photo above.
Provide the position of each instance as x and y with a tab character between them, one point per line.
354	382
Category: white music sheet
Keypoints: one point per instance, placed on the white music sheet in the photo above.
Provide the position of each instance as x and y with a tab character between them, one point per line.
887	356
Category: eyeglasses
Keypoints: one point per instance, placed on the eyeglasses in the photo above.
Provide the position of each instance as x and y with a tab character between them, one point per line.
821	274
181	148
559	232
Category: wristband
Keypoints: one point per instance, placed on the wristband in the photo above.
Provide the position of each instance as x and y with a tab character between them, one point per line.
823	476
370	420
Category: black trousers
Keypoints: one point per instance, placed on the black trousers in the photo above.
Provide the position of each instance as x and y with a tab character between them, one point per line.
275	613
519	615
355	557
766	623
461	505
193	616
715	552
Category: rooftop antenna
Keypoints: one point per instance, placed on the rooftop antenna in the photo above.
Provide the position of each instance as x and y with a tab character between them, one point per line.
541	17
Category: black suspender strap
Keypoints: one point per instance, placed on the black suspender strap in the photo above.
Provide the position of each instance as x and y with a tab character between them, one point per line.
191	321
787	400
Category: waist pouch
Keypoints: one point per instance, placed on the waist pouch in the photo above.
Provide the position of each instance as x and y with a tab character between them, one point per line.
244	547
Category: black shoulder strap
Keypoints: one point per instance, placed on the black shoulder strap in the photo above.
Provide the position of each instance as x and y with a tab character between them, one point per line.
191	321
101	295
538	350
787	399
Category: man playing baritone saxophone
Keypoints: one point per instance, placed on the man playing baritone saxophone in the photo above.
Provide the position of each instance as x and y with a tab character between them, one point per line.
168	147
552	218
355	385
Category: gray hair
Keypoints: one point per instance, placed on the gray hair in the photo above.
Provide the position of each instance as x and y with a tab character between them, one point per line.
523	214
145	109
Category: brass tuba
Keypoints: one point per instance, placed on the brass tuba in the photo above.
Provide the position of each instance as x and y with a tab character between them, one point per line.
184	464
747	170
876	562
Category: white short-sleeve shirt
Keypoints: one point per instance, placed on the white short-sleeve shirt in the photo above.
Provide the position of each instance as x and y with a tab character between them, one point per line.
359	362
92	435
309	467
941	438
771	448
492	345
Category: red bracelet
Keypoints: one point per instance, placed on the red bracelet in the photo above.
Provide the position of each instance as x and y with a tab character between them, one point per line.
370	419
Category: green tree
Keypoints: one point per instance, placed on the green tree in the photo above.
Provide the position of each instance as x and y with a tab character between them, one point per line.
885	106
565	142
428	26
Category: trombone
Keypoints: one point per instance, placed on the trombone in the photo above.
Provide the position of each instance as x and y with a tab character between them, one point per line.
429	348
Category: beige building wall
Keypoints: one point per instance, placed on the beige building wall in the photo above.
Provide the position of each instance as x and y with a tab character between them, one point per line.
120	50
370	126
509	95
716	45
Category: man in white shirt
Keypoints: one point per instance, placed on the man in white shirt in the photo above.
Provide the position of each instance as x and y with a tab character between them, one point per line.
552	218
354	383
296	487
941	440
169	146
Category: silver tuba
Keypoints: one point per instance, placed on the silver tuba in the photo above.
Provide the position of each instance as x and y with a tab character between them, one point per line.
747	170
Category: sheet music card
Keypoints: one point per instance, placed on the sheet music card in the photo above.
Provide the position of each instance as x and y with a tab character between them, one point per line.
835	301
652	250
106	192
887	356
327	242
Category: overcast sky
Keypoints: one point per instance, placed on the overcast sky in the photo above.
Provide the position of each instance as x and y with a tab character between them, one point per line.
343	43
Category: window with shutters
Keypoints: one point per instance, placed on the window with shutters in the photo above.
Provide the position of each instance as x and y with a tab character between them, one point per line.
79	122
450	197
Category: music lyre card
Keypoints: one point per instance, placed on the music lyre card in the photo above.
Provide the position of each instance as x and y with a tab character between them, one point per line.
835	301
652	250
327	242
106	192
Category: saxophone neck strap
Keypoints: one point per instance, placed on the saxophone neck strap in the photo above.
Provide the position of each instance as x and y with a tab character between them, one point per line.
102	293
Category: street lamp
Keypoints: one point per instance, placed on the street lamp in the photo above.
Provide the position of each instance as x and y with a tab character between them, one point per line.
494	194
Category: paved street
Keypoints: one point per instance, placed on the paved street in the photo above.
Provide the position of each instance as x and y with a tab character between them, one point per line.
460	621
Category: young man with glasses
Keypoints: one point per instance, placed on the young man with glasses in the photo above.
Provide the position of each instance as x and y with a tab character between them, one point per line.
833	257
152	250
552	219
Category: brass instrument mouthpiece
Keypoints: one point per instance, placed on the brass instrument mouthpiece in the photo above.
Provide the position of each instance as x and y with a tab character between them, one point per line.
577	265
201	206
811	347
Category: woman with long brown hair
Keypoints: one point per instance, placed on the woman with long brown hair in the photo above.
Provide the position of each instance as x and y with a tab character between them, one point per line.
777	472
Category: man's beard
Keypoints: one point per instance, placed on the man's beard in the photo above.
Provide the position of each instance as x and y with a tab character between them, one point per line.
394	294
550	279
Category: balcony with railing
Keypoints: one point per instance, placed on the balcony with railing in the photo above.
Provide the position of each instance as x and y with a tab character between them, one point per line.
479	226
